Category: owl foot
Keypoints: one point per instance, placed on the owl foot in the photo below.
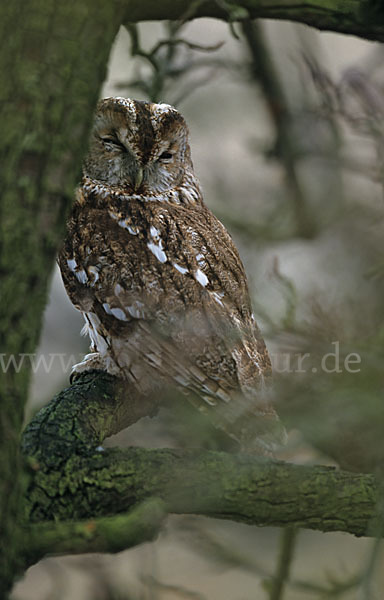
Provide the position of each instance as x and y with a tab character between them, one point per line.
94	362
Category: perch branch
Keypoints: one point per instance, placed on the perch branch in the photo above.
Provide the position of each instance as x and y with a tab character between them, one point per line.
72	477
217	484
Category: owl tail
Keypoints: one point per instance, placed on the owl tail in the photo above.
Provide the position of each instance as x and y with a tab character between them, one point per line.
255	427
262	434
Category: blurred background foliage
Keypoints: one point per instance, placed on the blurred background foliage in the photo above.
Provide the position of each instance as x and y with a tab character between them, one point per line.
287	138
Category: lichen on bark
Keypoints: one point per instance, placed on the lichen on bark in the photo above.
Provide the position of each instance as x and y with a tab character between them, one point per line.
73	479
47	96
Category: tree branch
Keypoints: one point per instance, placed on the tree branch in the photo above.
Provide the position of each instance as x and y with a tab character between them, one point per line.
264	72
70	479
238	487
358	17
108	534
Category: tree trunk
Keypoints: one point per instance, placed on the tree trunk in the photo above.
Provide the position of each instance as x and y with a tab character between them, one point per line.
52	64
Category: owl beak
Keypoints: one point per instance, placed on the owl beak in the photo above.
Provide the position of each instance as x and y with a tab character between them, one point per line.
138	178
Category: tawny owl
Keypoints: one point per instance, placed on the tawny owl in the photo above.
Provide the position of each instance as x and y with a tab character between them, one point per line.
158	278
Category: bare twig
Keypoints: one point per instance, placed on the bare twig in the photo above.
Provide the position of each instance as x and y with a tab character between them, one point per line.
169	59
265	74
280	579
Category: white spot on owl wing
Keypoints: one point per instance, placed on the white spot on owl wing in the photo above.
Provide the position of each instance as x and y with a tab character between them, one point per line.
124	223
155	233
136	310
116	312
217	297
107	308
118	289
200	259
181	269
119	314
157	250
72	264
81	276
201	278
94	271
94	326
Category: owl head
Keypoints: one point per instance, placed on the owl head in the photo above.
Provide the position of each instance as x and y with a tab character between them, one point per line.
141	147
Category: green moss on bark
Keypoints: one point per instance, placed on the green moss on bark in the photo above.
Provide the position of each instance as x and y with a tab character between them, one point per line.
52	64
70	479
108	534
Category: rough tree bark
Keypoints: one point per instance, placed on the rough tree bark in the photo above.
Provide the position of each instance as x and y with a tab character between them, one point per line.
72	477
52	64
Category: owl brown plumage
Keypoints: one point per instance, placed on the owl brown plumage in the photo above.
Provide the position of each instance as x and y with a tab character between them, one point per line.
158	278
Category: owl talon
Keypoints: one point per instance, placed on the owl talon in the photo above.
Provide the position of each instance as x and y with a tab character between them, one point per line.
93	362
73	377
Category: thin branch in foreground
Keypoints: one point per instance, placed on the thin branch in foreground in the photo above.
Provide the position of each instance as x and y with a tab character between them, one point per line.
264	72
106	534
176	590
281	578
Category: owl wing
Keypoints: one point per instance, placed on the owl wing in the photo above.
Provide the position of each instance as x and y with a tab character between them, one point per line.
165	294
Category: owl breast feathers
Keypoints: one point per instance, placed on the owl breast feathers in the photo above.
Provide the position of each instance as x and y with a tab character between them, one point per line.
158	278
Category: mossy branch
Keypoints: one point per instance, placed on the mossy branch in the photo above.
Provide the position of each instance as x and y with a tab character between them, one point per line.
358	17
106	534
72	477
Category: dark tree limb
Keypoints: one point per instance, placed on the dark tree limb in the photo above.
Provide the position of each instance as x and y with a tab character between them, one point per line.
364	18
